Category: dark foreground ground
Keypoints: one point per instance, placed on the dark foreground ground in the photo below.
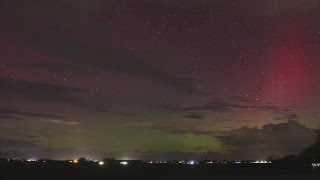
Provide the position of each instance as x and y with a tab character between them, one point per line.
43	171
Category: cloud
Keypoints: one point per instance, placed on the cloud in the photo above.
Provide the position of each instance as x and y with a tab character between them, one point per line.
68	123
7	112
272	108
279	113
170	108
194	116
48	65
271	140
10	117
52	93
39	91
232	105
188	131
291	116
237	120
214	106
16	143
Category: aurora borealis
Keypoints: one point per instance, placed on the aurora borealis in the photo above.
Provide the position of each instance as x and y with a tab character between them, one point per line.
151	79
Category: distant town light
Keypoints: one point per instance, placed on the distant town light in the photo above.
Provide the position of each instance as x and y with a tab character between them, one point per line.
192	162
315	165
31	160
75	161
262	162
101	163
124	163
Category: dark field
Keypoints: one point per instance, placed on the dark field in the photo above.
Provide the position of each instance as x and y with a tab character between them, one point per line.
35	170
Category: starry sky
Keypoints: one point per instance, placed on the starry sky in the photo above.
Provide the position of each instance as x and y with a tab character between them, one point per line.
151	79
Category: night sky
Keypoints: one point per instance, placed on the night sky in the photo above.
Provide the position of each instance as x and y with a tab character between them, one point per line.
158	79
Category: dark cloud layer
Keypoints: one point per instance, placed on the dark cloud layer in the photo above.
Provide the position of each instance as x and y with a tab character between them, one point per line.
38	91
10	117
214	106
271	140
231	105
50	66
194	116
17	143
290	116
10	113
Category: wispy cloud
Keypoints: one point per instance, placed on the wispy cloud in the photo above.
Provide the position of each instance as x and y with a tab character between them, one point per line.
232	105
214	106
68	123
5	142
15	114
193	115
10	117
50	65
37	91
10	114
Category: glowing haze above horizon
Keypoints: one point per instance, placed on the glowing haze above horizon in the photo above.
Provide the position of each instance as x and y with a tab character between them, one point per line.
151	79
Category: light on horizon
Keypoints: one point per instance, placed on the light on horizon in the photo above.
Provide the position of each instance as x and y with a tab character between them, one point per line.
31	160
124	163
